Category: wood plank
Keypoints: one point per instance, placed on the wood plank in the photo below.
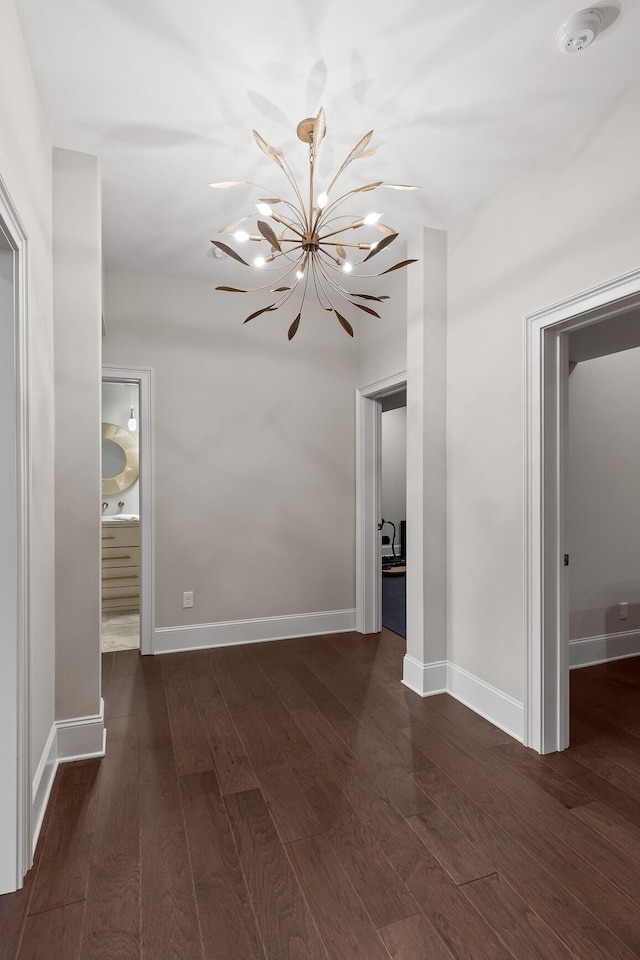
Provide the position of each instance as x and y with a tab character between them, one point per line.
624	804
532	814
153	717
414	939
169	925
274	668
563	912
343	925
123	690
64	865
293	816
283	916
112	917
54	933
462	860
518	926
227	922
570	793
233	770
380	888
614	828
188	733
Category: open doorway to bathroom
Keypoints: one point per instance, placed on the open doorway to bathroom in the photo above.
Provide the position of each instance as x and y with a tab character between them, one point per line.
120	511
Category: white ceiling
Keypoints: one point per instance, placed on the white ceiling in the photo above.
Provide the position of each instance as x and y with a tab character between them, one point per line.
461	94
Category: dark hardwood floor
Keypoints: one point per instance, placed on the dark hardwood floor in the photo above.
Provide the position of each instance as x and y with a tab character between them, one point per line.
292	801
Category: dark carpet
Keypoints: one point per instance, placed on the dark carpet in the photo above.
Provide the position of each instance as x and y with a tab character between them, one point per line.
394	603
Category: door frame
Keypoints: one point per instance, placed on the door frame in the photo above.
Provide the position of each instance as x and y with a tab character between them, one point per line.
18	686
143	377
368	499
545	628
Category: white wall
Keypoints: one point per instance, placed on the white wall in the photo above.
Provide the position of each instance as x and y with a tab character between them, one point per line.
394	470
25	166
253	449
603	497
117	399
77	296
382	343
569	222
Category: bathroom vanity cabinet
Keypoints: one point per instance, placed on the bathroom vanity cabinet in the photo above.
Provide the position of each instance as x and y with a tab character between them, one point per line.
120	565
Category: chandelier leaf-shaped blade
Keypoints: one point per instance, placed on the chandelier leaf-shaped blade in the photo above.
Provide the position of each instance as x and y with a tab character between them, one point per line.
344	323
258	312
293	329
381	246
269	235
229	251
397	266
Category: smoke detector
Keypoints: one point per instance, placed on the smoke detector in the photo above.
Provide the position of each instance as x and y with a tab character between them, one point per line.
579	31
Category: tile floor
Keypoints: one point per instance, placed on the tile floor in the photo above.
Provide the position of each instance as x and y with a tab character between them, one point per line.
120	631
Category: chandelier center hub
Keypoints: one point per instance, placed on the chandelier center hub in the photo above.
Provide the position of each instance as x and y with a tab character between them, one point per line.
310	242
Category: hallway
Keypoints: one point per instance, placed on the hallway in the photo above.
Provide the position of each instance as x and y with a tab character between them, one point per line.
293	800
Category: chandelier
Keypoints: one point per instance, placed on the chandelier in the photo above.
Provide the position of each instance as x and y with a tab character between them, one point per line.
307	241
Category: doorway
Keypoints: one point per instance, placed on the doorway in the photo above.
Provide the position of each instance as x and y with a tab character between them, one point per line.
369	499
127	615
15	786
393	514
608	314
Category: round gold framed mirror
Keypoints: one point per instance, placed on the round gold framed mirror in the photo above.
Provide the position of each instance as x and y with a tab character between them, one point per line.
120	459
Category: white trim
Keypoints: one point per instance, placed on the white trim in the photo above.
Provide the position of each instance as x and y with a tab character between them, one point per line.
42	784
492	704
81	738
429	679
425	679
18	240
144	377
545	627
368	499
198	635
589	651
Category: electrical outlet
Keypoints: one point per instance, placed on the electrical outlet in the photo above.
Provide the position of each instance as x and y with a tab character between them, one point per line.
187	599
624	611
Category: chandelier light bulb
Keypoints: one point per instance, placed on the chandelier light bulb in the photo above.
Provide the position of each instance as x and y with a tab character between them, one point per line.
132	423
312	240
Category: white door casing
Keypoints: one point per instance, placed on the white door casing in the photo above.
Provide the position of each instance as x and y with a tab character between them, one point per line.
15	759
545	628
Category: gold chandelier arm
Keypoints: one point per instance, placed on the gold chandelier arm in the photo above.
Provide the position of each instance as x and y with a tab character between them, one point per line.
342	292
360	146
336	203
319	288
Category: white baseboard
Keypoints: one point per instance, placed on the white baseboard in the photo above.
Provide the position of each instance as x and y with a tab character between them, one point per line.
428	679
199	635
425	679
82	738
589	651
495	706
42	784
